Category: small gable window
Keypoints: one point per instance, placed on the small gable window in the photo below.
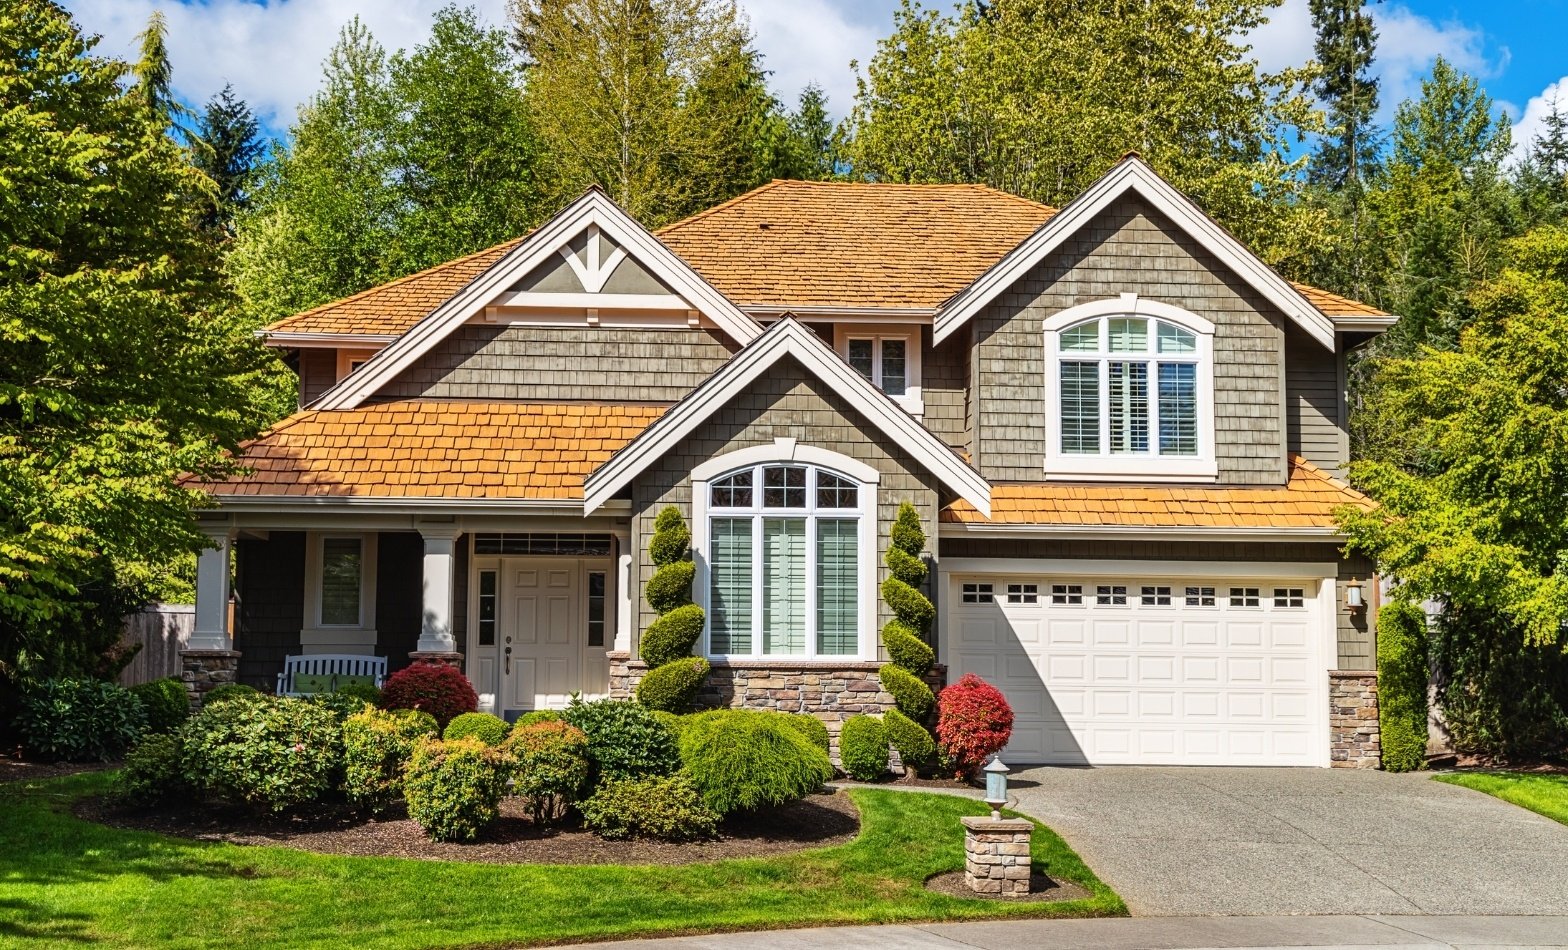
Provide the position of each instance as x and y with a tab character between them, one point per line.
887	356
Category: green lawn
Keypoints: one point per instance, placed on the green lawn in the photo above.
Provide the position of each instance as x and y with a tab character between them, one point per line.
65	882
1543	794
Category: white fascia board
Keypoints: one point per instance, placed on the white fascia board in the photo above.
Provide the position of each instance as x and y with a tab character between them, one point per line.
1132	176
332	340
1365	324
787	337
1073	567
1135	532
411	505
592	209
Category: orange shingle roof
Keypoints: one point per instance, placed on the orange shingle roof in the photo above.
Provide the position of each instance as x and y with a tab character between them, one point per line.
435	448
1307	501
1334	305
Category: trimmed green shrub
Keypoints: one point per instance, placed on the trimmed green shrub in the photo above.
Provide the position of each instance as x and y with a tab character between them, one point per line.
376	748
151	774
491	730
671	538
1402	676
427	722
916	747
341	705
668	518
79	720
907	649
673	686
910	693
906	533
862	748
454	789
272	753
744	759
537	715
229	691
672	636
624	739
167	703
364	692
671	722
913	609
814	729
905	567
670	586
663	807
549	768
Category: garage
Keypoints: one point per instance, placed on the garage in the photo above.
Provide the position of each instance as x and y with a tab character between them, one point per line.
1110	667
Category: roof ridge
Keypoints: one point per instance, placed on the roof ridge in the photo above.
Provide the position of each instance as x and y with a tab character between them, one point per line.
743	196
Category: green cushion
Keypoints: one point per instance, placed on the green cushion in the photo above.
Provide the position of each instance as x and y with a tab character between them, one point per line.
346	680
312	683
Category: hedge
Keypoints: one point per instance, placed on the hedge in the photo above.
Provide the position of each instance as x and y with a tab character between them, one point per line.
1402	676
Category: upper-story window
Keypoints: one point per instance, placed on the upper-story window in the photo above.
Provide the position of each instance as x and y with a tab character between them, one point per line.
888	356
1129	394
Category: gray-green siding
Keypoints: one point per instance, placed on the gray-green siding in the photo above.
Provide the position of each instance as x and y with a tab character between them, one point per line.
1314	403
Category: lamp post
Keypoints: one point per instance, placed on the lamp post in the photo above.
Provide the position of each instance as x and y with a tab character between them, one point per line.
996	785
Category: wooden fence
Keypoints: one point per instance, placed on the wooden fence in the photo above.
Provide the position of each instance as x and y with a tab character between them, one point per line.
162	630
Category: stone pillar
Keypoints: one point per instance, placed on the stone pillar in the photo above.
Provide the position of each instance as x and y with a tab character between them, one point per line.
435	631
209	659
1355	736
622	679
205	670
996	855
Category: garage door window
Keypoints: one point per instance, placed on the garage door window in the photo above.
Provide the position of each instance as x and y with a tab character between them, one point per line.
1244	597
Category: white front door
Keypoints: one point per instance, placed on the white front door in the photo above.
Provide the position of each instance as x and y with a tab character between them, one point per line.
541	645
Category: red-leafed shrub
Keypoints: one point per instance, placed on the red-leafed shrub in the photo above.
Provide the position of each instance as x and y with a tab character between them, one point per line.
439	690
973	721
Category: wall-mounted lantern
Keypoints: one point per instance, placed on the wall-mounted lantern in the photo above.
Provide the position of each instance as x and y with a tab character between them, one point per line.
996	785
1354	599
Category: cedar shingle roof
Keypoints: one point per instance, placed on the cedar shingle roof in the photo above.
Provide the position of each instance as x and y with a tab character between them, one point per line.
1334	305
436	448
1307	501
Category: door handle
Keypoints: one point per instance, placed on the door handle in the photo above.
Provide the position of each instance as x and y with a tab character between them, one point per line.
508	658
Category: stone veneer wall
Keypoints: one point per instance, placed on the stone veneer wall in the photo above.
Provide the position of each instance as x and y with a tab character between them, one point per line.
1355	740
203	671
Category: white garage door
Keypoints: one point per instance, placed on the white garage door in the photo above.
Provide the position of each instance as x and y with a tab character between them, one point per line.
1116	670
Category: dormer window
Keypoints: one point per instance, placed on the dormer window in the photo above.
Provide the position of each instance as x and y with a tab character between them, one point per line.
887	356
1130	392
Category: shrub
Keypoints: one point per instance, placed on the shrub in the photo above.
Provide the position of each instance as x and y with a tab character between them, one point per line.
151	774
671	722
671	538
814	729
1402	676
906	567
742	760
272	753
974	722
537	715
341	705
915	745
670	586
862	748
550	768
906	533
376	747
79	720
907	649
364	692
672	636
1502	695
454	789
673	686
624	739
167	703
491	730
427	722
910	692
912	608
229	691
664	807
440	690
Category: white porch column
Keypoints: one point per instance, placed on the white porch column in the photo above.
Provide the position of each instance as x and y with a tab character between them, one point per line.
435	630
212	592
625	602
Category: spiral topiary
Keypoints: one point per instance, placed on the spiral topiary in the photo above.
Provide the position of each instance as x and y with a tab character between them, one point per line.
673	676
904	637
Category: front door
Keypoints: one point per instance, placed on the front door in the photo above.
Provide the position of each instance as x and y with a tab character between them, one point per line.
542	648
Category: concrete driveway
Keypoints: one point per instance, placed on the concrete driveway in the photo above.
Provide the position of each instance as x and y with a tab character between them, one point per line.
1196	841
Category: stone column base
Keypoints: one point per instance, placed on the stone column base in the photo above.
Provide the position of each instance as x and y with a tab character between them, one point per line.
1354	735
996	855
438	658
205	670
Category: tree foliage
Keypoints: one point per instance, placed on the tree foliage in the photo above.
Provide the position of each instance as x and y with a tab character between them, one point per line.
228	148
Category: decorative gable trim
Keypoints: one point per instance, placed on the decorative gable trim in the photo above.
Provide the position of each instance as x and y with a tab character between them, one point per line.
787	337
594	211
1132	176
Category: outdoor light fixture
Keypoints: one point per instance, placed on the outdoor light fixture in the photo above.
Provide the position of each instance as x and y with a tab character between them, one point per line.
996	785
1353	598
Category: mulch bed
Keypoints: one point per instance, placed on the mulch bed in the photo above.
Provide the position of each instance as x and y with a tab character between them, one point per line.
1041	889
17	770
818	821
1487	763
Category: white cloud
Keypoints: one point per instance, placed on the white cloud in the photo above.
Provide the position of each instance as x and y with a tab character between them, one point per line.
806	41
1533	119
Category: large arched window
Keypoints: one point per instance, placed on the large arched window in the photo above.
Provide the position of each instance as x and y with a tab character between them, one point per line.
1130	392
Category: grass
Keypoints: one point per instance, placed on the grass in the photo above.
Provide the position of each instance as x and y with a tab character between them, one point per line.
1543	794
68	882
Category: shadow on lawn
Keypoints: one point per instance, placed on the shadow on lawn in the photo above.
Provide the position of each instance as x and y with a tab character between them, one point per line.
22	920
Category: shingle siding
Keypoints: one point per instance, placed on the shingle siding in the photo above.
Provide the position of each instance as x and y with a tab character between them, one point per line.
270	583
945	375
1314	404
399	595
318	371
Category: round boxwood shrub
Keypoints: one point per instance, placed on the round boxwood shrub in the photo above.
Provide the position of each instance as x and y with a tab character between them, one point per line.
454	789
151	774
273	753
624	739
671	538
376	748
673	687
550	768
491	730
915	745
1402	676
537	715
906	649
742	760
910	692
862	748
974	722
230	691
662	807
814	729
427	723
438	689
79	720
672	636
671	722
670	586
167	703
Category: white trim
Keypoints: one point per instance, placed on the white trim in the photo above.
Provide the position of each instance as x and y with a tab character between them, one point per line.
917	315
1129	305
322	634
532	298
210	619
1149	532
1132	175
327	340
1365	323
593	209
785	450
1138	568
348	356
673	319
788	337
398	504
911	400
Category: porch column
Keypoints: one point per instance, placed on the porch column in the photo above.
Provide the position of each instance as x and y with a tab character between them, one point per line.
209	659
436	642
625	601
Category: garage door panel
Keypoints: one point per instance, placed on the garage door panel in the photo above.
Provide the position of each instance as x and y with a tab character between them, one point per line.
1245	670
1156	633
1244	636
1288	636
1200	669
1289	670
1200	633
1066	668
1156	669
1067	633
1111	633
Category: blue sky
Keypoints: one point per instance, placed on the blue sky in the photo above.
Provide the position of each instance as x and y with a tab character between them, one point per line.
272	49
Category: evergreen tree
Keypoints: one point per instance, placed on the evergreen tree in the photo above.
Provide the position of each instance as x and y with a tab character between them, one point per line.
736	132
153	76
1542	178
228	149
1345	47
814	142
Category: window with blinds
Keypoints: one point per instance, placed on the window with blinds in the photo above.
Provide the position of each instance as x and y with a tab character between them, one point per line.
342	568
1128	386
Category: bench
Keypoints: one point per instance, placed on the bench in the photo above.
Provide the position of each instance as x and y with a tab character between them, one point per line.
324	672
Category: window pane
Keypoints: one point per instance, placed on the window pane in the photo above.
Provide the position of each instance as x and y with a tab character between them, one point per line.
340	570
1128	388
860	356
729	586
1083	338
784	585
1178	409
596	608
837	587
487	603
894	381
783	487
1176	340
834	491
1080	408
1128	335
732	491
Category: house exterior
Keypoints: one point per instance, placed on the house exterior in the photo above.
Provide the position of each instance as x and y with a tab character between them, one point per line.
1121	431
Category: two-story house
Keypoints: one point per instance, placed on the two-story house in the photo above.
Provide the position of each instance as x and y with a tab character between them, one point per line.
1119	426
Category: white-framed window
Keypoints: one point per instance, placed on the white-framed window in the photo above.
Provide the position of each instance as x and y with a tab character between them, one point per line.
350	361
1130	392
888	356
786	555
1244	597
1290	597
340	586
